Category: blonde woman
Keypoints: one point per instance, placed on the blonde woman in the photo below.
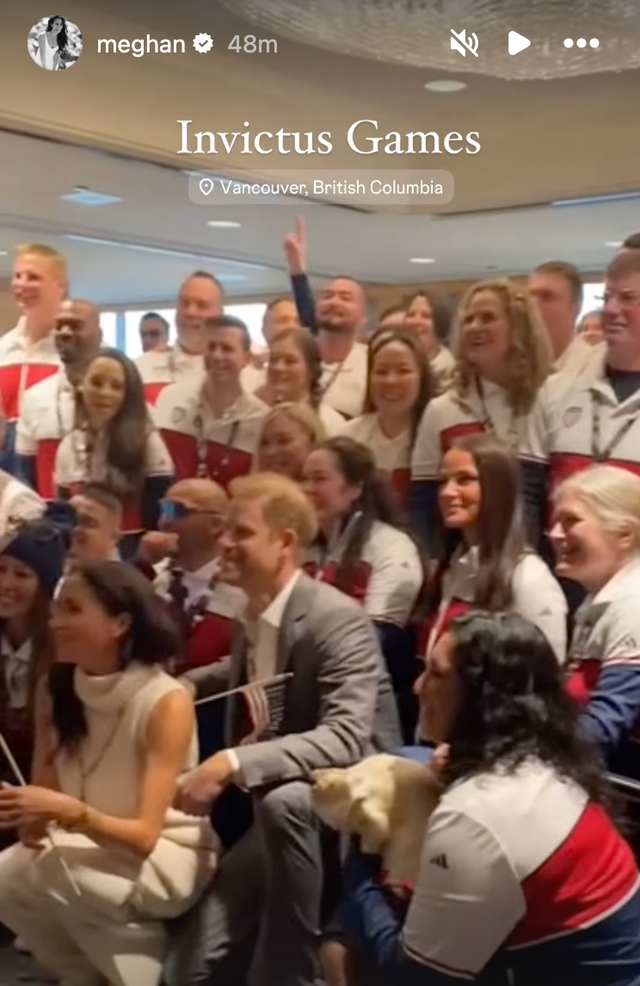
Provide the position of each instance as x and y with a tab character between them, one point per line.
503	356
289	434
596	536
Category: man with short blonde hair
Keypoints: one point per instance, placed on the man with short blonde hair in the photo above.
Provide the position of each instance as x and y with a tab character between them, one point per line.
260	920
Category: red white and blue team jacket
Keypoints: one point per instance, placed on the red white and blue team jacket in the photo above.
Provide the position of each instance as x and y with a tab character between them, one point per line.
387	578
215	606
604	666
392	455
537	597
47	414
227	444
162	368
522	880
23	365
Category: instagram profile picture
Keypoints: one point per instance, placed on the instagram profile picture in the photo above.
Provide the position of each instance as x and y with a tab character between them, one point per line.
55	43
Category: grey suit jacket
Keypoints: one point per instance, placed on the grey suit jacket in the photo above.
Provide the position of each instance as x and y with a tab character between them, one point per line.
338	705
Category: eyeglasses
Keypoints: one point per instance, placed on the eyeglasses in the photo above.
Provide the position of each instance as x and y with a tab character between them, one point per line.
170	510
626	299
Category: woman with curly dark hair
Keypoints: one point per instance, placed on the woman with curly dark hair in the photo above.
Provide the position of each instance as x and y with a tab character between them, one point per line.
294	372
116	443
524	877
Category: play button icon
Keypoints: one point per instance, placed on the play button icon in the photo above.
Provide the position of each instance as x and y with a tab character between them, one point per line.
517	42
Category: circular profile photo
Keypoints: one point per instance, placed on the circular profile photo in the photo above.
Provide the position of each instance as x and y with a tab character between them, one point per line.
55	43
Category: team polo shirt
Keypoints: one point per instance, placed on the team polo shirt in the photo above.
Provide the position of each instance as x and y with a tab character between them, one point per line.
387	578
220	448
392	455
46	416
442	368
537	597
522	867
74	468
604	666
22	365
344	385
210	608
452	415
160	369
578	421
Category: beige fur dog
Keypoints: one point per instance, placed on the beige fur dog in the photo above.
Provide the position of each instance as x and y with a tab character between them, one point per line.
387	801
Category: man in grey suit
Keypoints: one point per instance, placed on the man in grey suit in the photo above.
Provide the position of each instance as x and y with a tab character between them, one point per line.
259	922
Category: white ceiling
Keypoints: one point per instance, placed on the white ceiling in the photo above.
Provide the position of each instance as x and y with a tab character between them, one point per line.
102	123
156	213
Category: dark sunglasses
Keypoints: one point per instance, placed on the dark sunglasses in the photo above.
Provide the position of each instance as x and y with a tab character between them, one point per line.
170	510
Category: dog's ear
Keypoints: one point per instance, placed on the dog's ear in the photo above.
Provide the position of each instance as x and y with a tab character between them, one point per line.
368	821
331	779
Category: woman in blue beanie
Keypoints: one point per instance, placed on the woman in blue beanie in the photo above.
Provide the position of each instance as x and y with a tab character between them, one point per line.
31	563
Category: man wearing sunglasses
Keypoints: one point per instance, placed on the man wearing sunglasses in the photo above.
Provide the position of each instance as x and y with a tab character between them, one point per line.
185	556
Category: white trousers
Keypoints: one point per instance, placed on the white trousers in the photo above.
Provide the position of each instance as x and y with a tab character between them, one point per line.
81	939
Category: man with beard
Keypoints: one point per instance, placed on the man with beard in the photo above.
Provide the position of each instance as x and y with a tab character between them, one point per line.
49	409
337	319
200	297
27	353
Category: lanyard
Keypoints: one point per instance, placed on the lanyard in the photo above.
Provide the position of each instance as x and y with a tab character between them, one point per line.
333	376
599	454
203	471
62	431
488	424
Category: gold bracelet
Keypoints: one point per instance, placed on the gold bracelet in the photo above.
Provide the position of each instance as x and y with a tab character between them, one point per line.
81	823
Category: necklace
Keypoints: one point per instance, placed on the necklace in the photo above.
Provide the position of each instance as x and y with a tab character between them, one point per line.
333	376
86	770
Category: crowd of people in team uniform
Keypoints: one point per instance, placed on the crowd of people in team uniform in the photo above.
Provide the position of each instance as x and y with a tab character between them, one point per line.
223	570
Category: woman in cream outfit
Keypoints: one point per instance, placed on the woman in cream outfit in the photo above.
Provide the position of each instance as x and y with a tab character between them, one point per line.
114	734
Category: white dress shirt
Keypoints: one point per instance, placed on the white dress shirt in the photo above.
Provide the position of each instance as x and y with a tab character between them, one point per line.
263	634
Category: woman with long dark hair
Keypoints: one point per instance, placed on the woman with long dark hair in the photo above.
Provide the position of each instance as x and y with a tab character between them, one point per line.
503	356
399	387
117	444
524	877
294	374
114	733
52	44
365	550
487	562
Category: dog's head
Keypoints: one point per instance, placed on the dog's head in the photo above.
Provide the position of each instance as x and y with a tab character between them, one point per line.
357	800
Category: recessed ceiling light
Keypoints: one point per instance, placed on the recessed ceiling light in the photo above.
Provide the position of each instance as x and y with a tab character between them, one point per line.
4	253
422	260
614	243
445	85
84	196
223	223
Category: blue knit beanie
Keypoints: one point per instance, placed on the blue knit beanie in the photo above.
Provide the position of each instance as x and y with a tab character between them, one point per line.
39	546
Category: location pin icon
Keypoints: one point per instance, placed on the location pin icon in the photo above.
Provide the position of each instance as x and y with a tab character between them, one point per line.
206	186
